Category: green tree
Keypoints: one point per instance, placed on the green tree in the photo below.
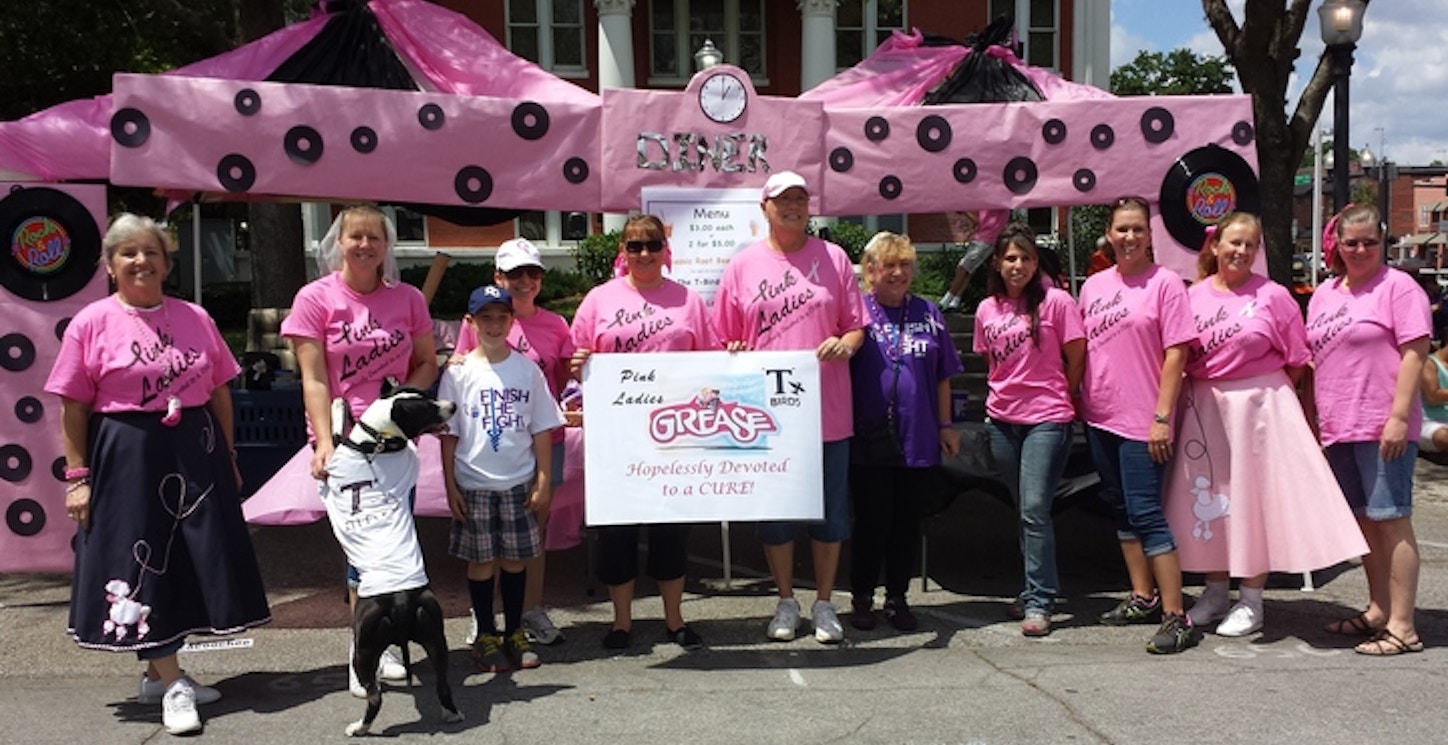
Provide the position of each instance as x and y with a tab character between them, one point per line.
1180	72
1263	48
58	50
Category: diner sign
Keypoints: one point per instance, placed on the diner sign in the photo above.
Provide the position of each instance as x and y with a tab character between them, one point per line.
679	437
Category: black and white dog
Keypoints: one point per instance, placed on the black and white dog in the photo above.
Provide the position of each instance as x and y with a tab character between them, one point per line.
367	495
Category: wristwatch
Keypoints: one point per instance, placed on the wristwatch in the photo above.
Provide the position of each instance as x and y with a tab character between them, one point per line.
1160	418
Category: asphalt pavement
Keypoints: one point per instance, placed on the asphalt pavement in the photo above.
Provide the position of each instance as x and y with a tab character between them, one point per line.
966	676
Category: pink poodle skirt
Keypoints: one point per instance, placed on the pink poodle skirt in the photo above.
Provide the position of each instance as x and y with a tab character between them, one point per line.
1249	490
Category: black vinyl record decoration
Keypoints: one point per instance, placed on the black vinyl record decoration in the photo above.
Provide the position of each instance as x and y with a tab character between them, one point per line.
53	247
1201	188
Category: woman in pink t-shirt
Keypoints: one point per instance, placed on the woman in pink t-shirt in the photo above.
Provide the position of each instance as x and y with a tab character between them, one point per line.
1248	491
161	548
1138	323
351	328
543	337
1368	330
643	311
1031	337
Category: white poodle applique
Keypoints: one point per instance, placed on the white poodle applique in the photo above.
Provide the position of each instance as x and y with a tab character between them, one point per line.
1207	508
125	612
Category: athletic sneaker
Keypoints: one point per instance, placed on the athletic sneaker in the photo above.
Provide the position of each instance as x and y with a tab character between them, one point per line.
520	652
1174	635
1035	622
488	655
178	709
1241	621
391	669
540	627
152	691
826	623
785	621
1132	610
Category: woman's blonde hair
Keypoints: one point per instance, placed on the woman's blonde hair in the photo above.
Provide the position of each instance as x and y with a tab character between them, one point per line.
1207	261
329	253
884	247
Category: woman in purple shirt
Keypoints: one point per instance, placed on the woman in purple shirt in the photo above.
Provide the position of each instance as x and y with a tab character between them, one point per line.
901	388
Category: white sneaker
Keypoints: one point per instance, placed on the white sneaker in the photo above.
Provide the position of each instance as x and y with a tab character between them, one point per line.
354	686
826	622
391	669
152	691
1241	621
785	621
1209	609
178	708
540	628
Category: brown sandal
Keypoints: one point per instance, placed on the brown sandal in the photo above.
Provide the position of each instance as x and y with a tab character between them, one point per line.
1356	626
1387	644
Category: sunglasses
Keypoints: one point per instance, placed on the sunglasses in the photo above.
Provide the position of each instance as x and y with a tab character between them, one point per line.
635	247
1368	243
532	272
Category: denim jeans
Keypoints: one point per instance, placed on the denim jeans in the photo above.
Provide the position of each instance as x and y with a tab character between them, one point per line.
1030	459
1133	483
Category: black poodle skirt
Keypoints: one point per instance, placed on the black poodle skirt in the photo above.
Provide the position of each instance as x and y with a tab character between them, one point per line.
167	552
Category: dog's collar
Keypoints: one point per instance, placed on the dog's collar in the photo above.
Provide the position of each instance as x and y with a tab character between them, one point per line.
379	444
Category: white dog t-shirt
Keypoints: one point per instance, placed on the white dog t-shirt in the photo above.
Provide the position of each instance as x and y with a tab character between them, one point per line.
367	504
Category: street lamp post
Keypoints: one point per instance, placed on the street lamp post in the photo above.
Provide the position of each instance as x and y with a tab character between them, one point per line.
1317	159
1341	24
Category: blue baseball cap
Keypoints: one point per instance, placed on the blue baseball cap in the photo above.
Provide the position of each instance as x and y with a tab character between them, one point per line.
486	295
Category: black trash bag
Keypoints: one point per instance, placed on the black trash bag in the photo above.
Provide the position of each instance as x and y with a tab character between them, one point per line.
982	78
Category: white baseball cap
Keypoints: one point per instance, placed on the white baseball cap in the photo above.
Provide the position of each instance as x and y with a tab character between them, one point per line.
782	181
515	253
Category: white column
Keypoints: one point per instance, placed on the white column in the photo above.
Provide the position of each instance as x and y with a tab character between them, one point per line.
1091	43
615	60
817	42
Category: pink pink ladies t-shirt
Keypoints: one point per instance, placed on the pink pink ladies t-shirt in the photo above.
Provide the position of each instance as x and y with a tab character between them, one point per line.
542	337
1355	336
367	337
1027	376
1130	321
1242	333
774	300
614	317
120	359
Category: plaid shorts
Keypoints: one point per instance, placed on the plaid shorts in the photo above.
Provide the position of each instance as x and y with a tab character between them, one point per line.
498	527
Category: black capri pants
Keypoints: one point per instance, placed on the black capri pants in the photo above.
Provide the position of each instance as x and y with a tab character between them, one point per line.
618	552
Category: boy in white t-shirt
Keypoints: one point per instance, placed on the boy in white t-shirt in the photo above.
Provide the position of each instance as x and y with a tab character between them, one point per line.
496	460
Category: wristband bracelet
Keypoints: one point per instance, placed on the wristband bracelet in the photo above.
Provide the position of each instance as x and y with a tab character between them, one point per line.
947	425
77	484
71	474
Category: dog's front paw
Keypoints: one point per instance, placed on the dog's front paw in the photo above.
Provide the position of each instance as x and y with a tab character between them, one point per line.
357	729
452	717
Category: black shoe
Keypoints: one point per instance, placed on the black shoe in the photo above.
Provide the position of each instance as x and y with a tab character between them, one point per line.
686	638
1134	609
897	612
1176	634
616	639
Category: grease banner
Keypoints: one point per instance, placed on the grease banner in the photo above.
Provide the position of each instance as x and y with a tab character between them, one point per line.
702	437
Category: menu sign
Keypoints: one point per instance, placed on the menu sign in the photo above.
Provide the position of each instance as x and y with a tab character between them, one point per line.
705	228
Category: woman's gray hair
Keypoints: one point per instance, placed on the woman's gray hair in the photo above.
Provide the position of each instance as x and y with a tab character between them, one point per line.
329	254
128	227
